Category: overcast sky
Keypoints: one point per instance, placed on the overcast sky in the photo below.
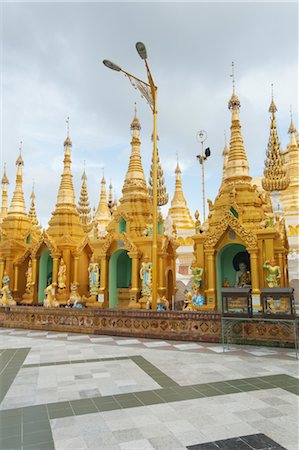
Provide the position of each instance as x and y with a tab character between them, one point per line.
51	68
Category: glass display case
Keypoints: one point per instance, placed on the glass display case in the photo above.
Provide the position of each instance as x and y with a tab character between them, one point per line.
278	302
236	302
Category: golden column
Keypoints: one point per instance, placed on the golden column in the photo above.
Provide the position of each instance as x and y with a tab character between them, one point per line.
149	92
103	279
254	272
135	273
2	263
55	269
211	275
16	276
76	267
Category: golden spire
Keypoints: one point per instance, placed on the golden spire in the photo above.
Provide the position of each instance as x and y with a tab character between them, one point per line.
66	193
83	204
292	130
275	174
161	191
103	214
135	201
179	211
135	174
17	205
237	165
65	219
32	212
4	205
225	154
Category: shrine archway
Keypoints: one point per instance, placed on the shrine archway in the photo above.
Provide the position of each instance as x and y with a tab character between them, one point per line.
45	274
227	262
120	275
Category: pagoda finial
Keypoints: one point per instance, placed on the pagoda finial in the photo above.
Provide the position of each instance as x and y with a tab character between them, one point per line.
234	102
233	76
67	126
292	128
135	125
272	107
103	214
4	203
17	205
83	204
68	141
237	166
179	211
32	212
84	177
4	178
178	169
275	174
66	193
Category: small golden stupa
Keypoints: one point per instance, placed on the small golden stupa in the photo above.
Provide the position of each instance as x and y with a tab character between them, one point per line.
240	227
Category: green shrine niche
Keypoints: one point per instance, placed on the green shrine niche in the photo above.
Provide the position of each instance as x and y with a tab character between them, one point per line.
225	267
122	226
120	274
45	274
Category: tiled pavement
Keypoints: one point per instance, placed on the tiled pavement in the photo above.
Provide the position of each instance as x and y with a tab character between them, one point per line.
202	347
54	392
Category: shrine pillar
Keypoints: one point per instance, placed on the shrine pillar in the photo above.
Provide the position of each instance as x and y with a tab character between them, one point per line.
2	263
104	279
135	275
76	267
55	269
211	281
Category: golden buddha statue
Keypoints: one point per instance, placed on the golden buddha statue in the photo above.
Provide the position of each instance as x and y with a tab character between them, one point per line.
243	277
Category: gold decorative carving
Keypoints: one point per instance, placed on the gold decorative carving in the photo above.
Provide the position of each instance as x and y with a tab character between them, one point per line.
228	220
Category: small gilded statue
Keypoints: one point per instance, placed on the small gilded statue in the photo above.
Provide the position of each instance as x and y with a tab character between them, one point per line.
197	273
146	276
243	277
162	303
198	226
62	275
6	298
274	273
29	278
50	300
94	273
193	301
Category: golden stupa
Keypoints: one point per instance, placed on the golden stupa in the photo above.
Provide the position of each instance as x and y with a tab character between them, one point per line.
240	225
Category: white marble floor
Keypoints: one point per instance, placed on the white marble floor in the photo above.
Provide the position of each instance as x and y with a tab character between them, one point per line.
169	424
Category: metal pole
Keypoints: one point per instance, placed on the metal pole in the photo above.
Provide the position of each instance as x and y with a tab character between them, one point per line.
203	182
155	208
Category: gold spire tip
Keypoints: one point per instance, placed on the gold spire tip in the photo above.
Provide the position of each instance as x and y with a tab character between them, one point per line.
234	102
272	107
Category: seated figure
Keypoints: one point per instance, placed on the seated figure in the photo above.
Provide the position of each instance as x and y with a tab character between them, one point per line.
243	277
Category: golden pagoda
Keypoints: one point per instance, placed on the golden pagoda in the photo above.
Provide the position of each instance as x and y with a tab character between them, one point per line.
179	211
32	212
128	242
4	202
289	199
275	173
17	235
102	216
239	228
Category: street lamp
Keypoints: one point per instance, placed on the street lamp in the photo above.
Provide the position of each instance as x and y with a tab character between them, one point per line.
201	137
149	92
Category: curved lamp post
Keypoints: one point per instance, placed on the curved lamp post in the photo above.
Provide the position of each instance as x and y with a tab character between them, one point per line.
201	137
148	90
